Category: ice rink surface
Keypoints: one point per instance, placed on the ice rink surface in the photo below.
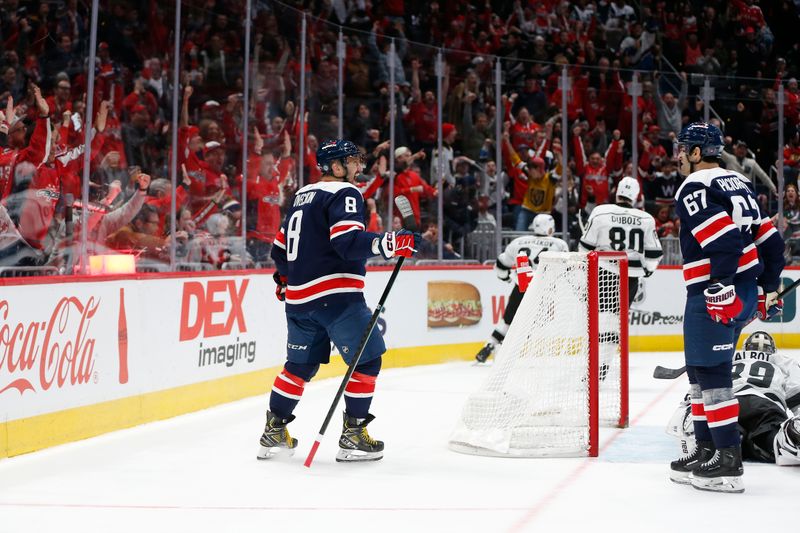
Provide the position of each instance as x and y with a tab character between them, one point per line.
198	473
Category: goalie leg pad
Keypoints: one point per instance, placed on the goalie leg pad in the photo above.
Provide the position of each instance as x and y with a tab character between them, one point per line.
787	443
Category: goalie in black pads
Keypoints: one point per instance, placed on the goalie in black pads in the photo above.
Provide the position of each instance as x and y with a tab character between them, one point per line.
543	227
767	386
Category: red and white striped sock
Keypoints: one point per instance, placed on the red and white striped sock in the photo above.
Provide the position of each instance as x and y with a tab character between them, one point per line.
358	394
722	418
286	392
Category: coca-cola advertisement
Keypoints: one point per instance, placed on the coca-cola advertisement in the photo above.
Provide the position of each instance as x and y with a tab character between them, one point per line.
54	345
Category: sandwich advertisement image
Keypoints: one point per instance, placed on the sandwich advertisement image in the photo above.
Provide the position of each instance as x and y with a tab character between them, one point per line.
453	304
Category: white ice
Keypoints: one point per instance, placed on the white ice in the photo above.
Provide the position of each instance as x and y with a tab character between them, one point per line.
198	473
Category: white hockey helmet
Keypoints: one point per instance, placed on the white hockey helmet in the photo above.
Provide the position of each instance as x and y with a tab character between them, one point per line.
760	341
543	225
628	189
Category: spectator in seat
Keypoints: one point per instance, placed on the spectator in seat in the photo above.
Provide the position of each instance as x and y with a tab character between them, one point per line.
382	54
141	236
670	112
429	245
532	98
791	156
460	203
11	84
61	101
476	137
665	227
741	162
140	96
597	172
791	214
374	222
136	136
408	182
422	118
662	185
63	58
263	204
214	247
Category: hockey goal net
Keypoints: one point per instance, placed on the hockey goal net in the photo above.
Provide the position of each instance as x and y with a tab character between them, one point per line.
563	367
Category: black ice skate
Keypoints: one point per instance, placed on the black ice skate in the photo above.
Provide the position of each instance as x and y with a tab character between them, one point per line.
680	470
485	352
355	444
722	473
276	439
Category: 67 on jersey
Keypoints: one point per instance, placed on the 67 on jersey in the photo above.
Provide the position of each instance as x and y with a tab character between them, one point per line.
744	208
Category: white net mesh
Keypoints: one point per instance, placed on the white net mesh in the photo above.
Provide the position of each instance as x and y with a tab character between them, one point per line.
536	400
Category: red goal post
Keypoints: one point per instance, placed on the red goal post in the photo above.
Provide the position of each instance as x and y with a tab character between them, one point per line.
562	370
594	290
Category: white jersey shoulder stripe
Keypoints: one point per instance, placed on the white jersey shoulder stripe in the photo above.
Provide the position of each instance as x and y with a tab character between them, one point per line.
705	177
329	186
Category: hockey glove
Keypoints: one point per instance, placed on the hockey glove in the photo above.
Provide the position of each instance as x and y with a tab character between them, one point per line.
524	271
769	305
397	243
281	282
722	303
502	272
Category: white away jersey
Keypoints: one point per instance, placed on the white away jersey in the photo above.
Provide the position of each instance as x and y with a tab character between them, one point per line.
772	376
616	228
532	245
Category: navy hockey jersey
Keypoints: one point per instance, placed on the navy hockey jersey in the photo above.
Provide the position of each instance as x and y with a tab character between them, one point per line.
322	247
724	235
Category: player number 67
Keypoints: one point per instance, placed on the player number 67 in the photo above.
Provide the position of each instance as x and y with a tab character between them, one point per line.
691	203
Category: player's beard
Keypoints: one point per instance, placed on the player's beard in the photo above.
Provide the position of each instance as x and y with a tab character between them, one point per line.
685	164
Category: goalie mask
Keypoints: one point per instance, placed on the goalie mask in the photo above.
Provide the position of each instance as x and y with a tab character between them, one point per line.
760	341
680	426
543	225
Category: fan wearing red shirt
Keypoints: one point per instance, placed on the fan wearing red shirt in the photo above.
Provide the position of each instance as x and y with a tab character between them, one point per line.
791	156
597	171
264	200
55	175
422	118
651	149
523	130
61	100
206	174
14	128
409	183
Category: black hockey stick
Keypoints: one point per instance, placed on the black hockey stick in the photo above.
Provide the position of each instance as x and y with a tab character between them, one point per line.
661	372
410	223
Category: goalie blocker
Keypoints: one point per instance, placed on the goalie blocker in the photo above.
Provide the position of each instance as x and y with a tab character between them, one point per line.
545	396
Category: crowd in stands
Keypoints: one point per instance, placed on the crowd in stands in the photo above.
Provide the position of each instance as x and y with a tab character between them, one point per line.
744	48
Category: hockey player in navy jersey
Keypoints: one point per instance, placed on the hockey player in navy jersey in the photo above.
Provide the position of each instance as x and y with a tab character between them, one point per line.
320	254
733	258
